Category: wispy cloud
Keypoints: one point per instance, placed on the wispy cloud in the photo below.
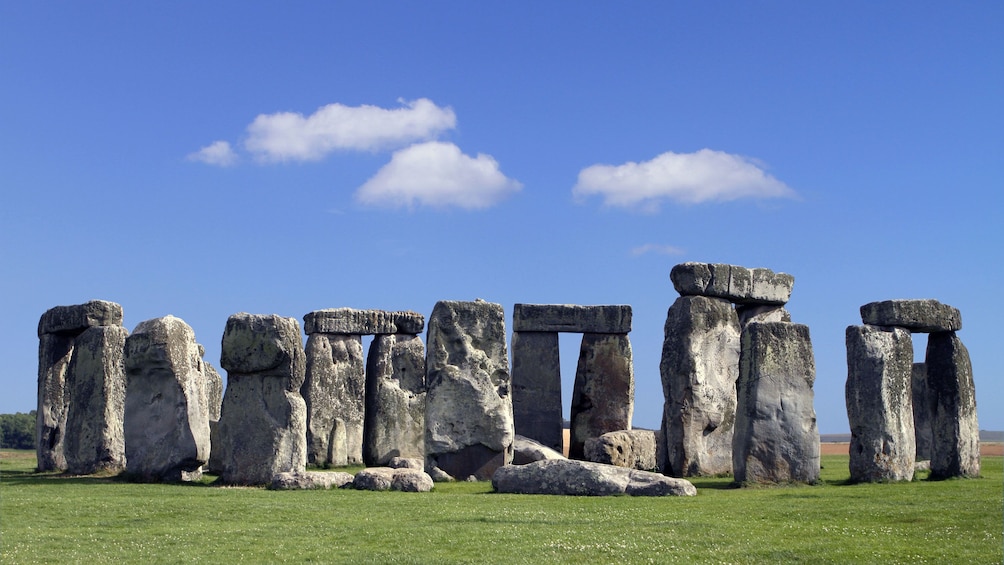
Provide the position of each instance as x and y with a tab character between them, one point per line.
217	153
689	178
290	136
438	175
656	249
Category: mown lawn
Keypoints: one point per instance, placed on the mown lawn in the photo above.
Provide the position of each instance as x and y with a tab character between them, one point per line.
50	518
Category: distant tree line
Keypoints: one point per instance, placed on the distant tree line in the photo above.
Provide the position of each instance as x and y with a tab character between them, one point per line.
17	431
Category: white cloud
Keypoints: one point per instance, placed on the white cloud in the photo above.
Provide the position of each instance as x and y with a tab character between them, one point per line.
689	178
657	249
437	174
288	136
216	153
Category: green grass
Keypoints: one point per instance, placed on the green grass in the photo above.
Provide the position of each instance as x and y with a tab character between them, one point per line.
50	518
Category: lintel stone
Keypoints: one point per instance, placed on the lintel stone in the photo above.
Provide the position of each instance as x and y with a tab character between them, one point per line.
73	320
350	321
918	316
615	319
737	284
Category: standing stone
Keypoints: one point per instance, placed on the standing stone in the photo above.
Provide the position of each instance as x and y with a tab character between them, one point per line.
925	406
468	414
776	439
96	387
603	393
536	387
54	355
166	410
334	391
700	367
263	425
956	432
395	400
879	403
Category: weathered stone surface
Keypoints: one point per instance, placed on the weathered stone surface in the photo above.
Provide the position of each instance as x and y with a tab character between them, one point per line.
407	463
386	478
468	414
762	313
584	478
775	438
96	387
536	387
925	406
922	316
213	387
395	399
603	391
527	450
349	321
612	319
310	480
262	428
879	403
268	344
699	368
54	355
634	449
737	284
956	432
73	320
166	408
334	391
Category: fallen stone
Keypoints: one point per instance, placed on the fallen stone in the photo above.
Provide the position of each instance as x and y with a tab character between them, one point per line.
310	480
386	478
349	321
166	408
536	387
614	319
699	369
262	428
96	389
775	438
407	463
633	449
73	320
54	355
603	391
955	451
334	392
527	450
879	403
394	423
468	414
584	478
921	316
734	283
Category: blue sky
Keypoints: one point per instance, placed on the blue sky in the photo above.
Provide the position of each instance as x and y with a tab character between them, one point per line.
201	160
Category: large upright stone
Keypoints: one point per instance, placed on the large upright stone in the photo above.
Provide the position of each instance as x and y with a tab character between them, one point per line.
262	428
334	392
614	319
879	403
924	316
603	392
700	367
166	410
536	387
776	439
54	355
468	414
925	406
732	282
95	388
956	432
349	321
395	400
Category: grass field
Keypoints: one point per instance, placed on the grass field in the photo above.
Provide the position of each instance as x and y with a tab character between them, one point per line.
47	518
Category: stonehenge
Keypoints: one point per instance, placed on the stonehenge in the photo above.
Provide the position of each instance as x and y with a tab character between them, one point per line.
737	377
603	393
899	411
